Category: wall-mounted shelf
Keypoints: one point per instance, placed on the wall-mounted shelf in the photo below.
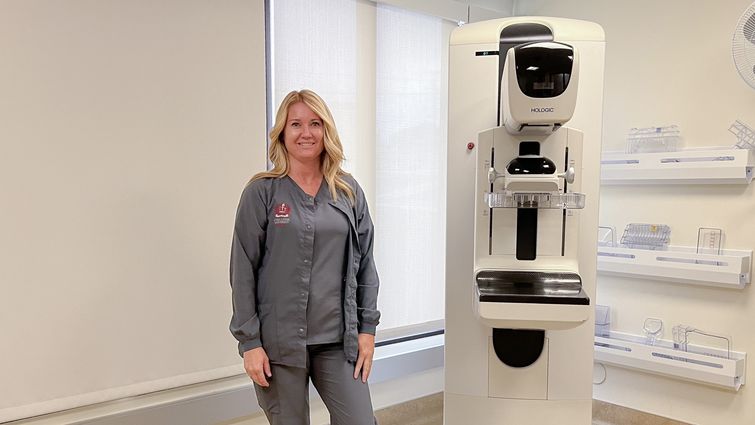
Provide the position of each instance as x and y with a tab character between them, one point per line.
702	365
710	166
731	269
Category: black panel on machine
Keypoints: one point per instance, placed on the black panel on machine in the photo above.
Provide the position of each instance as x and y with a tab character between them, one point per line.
543	69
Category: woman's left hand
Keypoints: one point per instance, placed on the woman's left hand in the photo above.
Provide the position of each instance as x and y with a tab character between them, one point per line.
364	361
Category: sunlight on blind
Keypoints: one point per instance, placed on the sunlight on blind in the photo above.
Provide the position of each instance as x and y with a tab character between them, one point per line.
313	47
410	181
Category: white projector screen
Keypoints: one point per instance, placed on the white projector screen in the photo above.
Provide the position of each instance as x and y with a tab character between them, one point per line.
128	129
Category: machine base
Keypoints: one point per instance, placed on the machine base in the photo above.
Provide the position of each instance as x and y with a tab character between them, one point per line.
464	410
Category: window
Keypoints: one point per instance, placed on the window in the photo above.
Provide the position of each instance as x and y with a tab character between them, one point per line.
399	156
313	46
410	165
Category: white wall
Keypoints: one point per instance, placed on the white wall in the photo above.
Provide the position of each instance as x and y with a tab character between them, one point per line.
456	10
127	130
670	63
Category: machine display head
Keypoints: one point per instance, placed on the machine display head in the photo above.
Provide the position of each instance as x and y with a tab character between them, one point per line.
539	86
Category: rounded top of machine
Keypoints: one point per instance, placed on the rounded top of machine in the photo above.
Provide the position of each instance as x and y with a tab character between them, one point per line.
563	29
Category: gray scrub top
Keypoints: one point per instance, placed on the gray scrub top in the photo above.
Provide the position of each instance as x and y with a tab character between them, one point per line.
331	233
271	263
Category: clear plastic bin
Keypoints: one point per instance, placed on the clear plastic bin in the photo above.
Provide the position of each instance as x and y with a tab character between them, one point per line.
606	236
709	240
602	320
653	328
556	200
646	236
745	135
653	139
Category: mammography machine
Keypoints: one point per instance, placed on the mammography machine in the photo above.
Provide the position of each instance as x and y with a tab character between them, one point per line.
525	113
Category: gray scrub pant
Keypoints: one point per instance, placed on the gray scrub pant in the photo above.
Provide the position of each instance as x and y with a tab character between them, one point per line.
286	400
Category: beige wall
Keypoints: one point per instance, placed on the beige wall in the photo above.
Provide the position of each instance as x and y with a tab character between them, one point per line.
456	10
670	62
127	131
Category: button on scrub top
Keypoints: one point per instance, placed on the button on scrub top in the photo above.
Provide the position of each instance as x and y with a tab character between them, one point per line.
330	229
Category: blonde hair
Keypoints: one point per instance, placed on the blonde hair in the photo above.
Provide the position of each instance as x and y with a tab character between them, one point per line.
332	155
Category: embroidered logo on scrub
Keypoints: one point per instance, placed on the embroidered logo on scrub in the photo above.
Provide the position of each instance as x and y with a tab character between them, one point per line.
282	212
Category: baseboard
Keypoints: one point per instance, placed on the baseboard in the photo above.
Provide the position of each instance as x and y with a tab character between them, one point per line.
226	399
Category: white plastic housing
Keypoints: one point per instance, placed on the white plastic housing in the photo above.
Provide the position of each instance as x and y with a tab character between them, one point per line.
558	389
524	114
538	183
531	316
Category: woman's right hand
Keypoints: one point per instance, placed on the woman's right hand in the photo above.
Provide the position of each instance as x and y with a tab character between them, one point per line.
257	366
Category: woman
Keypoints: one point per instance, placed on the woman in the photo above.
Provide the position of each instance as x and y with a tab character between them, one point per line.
303	278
